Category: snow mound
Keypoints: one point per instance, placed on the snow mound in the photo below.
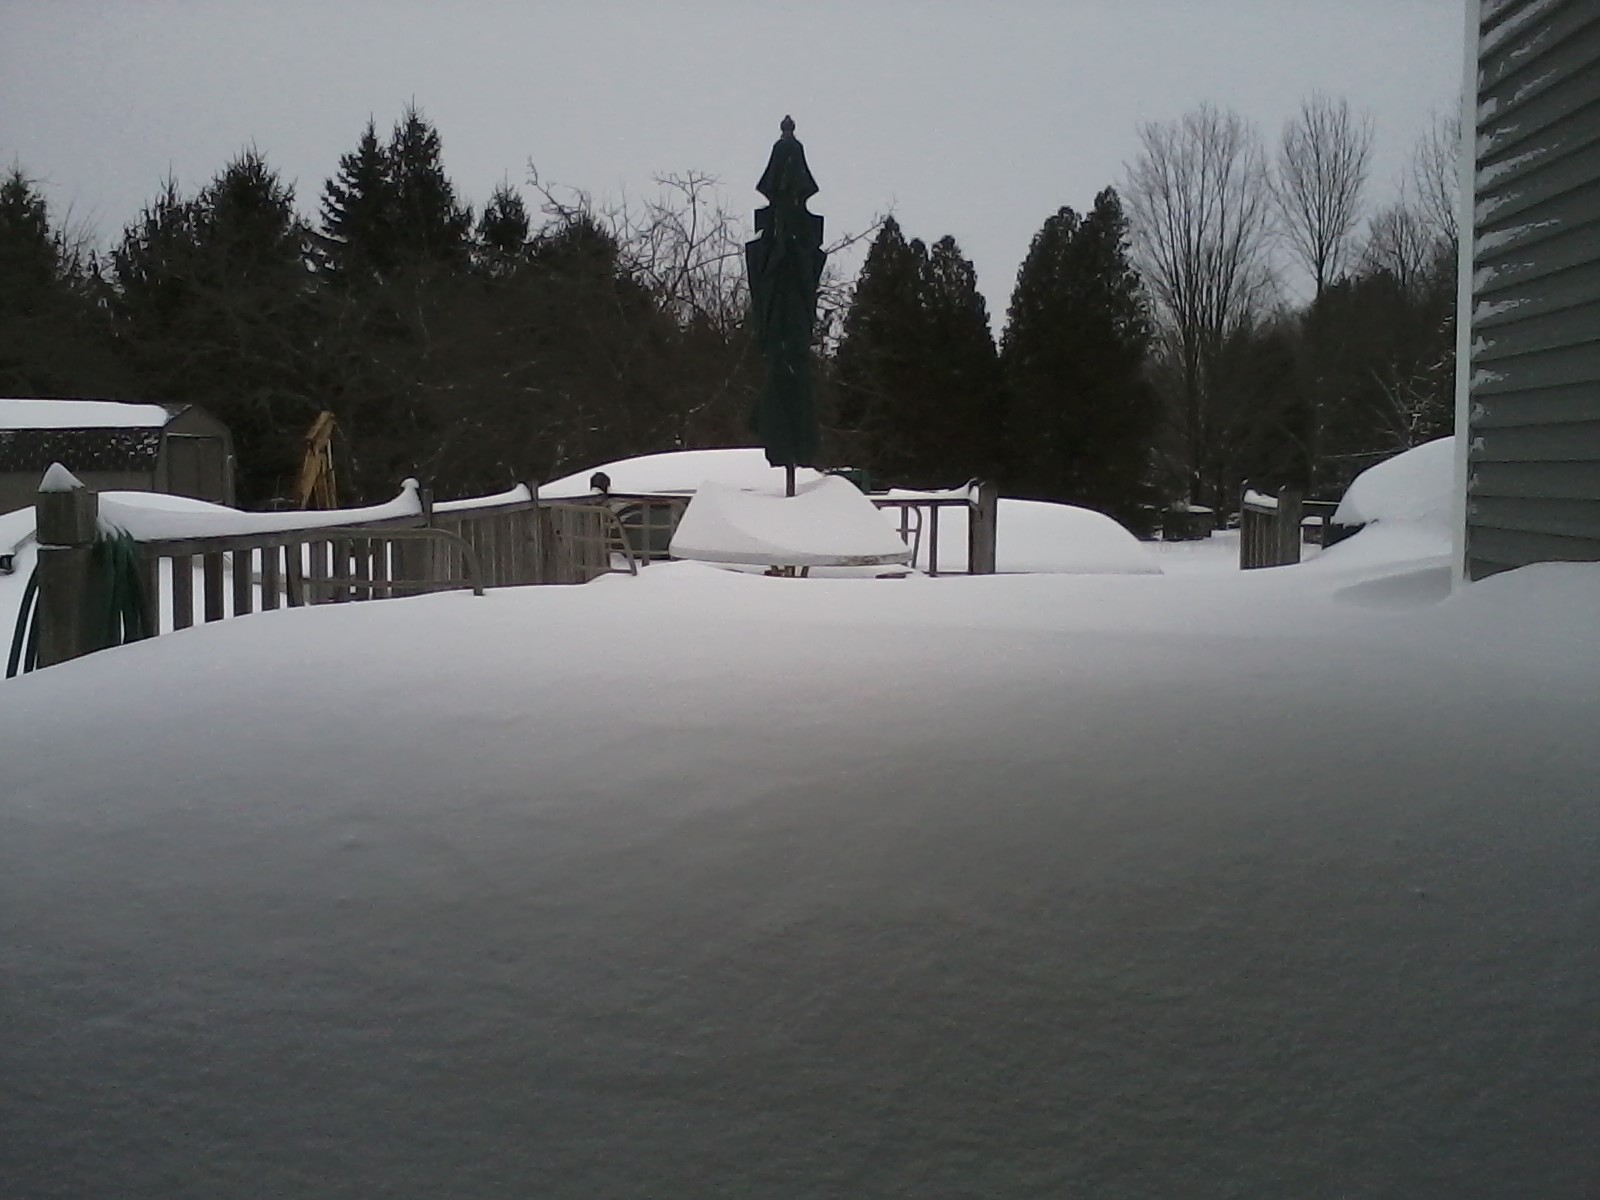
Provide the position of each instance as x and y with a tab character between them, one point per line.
681	472
1417	485
1039	537
827	522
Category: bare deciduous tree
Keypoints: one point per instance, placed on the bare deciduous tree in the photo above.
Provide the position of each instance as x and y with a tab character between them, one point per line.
1435	177
687	247
1400	242
1199	207
1323	157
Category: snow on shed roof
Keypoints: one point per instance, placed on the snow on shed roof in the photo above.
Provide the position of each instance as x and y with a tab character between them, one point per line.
16	413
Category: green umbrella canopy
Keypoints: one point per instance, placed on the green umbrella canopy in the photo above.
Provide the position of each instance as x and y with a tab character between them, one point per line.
784	263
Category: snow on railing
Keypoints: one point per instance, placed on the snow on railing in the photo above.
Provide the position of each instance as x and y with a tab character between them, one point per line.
520	494
154	518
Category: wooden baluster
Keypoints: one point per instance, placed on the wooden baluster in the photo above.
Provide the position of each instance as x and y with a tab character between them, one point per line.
182	591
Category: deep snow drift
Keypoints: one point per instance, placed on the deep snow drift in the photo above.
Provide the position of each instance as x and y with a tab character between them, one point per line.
1415	486
700	884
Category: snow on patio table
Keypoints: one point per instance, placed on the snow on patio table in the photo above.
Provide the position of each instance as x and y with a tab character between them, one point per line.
827	522
698	883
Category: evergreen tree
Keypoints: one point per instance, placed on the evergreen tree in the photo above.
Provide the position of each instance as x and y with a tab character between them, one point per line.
916	371
962	418
502	243
156	271
876	366
247	228
429	226
28	251
214	305
54	340
1264	423
1083	417
358	213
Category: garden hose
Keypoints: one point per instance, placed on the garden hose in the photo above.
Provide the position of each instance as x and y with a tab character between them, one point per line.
123	618
25	638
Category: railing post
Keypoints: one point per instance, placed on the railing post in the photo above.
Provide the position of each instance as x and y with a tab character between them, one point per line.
70	593
982	528
534	531
1291	511
1247	531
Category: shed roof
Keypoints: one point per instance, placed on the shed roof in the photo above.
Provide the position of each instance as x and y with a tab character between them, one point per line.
86	435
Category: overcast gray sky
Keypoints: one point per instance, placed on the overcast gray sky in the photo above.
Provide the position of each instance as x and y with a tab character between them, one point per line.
968	118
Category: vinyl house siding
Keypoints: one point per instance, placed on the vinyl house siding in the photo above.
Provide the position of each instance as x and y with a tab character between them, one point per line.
1533	458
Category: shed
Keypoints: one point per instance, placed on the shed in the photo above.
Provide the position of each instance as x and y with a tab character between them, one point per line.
176	448
1530	390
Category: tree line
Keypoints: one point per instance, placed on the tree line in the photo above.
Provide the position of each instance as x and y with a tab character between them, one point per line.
1152	353
470	349
1148	354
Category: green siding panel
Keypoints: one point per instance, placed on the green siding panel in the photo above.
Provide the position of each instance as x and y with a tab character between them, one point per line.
1526	514
1537	481
1534	382
1576	442
1559	329
1535	252
1538	367
1569	404
1494	550
1558	291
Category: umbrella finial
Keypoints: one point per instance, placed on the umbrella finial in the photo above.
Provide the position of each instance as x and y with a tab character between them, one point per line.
787	126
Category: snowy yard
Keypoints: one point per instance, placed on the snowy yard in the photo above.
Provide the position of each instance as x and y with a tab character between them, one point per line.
1204	883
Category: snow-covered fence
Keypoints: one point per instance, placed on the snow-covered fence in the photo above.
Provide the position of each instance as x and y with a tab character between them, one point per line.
242	562
1269	528
201	563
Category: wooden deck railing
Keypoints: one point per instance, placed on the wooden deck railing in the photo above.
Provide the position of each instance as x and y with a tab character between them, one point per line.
496	541
491	542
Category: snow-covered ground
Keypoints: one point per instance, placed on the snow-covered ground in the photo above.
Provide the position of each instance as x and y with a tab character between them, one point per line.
1199	884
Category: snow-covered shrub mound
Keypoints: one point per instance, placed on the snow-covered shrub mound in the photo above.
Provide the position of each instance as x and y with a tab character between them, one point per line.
1407	507
1039	537
1417	485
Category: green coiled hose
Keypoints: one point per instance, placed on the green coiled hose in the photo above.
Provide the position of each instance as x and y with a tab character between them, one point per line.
122	619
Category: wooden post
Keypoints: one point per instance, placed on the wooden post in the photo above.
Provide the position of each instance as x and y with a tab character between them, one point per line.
211	579
71	595
182	591
534	566
1291	511
982	528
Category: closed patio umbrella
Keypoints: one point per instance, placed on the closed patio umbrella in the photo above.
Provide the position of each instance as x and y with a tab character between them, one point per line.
784	262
